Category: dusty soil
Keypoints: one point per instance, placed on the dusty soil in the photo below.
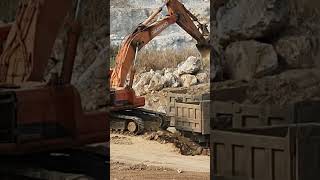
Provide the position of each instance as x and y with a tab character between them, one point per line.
137	158
122	171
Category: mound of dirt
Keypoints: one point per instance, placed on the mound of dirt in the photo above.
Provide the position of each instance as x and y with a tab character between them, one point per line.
184	145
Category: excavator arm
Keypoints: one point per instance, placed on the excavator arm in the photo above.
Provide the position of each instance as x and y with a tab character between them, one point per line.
149	29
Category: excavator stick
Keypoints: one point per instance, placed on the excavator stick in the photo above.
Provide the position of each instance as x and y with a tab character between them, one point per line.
186	21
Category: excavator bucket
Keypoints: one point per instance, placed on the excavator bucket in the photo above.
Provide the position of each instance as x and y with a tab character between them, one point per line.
25	55
204	50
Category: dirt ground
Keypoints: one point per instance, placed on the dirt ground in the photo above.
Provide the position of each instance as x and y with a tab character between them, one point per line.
135	158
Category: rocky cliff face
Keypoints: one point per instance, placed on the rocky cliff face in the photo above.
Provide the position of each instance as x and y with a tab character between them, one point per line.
127	14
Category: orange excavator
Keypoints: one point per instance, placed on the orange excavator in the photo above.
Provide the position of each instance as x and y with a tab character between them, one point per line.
36	115
123	96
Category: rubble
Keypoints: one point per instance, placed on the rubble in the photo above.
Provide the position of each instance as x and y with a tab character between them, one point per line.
203	77
188	80
171	80
188	73
141	82
185	145
156	83
191	66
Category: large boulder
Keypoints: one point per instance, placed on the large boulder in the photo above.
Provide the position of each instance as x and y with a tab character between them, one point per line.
191	66
188	80
93	84
250	19
171	80
250	59
297	51
203	77
156	83
140	85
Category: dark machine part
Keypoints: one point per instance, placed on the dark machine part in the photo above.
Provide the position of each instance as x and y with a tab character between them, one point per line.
8	117
137	121
53	120
4	31
64	164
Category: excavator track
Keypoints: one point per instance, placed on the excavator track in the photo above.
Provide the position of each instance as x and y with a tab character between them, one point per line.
137	121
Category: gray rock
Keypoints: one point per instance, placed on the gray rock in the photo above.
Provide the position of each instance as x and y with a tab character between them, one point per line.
250	19
203	77
250	59
161	72
169	70
188	80
172	130
92	84
171	80
156	83
191	66
144	80
297	51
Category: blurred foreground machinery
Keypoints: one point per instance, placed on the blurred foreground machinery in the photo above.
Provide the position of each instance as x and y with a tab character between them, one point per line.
37	116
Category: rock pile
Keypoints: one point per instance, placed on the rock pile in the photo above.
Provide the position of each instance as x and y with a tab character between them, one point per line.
186	74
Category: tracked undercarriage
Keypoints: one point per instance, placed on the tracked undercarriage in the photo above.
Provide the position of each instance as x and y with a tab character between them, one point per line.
138	120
